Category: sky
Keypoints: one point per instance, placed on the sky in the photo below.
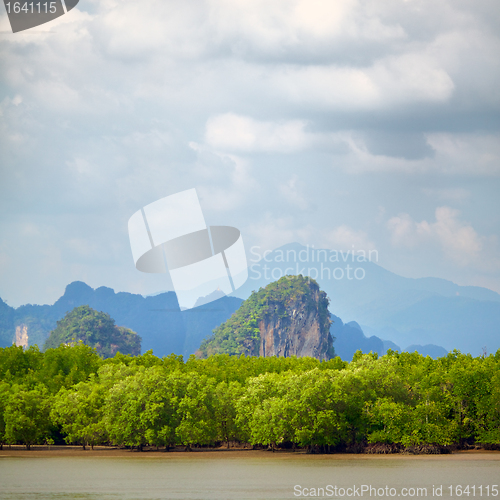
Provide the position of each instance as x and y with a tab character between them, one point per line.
354	124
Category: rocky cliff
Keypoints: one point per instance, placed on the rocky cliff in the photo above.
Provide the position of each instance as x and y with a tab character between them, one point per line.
287	318
22	336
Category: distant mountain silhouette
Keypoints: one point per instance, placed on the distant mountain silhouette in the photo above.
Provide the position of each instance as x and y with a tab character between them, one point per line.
391	309
157	319
217	294
402	310
434	351
349	338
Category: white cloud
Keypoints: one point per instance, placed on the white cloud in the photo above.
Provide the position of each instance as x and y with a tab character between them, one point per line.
346	238
411	77
224	181
267	25
329	87
471	153
242	133
388	82
458	240
139	31
278	99
270	232
287	26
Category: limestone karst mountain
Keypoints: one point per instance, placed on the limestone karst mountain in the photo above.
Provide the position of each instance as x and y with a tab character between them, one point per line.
164	328
95	329
405	311
289	317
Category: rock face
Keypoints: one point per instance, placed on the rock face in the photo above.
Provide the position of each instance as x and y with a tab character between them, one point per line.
22	336
299	332
287	318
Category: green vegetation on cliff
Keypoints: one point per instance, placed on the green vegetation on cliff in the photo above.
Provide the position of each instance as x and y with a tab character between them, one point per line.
240	334
95	329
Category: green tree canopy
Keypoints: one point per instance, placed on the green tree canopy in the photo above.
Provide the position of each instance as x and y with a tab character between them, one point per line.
79	411
71	394
27	415
95	329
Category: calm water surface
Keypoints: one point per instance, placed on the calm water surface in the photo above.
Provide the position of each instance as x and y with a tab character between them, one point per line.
237	477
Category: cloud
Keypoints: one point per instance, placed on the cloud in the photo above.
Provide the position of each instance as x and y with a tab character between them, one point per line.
231	132
411	77
291	192
458	240
476	154
325	87
346	238
271	232
294	119
470	154
224	181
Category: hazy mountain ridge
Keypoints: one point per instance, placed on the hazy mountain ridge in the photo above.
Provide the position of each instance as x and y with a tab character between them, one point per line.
350	337
157	319
148	315
402	310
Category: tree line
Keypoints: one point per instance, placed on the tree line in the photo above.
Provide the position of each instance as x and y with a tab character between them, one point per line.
70	394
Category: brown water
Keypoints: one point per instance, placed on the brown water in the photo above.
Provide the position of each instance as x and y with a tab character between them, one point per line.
271	476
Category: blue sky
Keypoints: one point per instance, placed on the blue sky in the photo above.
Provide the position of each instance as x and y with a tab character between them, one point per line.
351	124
